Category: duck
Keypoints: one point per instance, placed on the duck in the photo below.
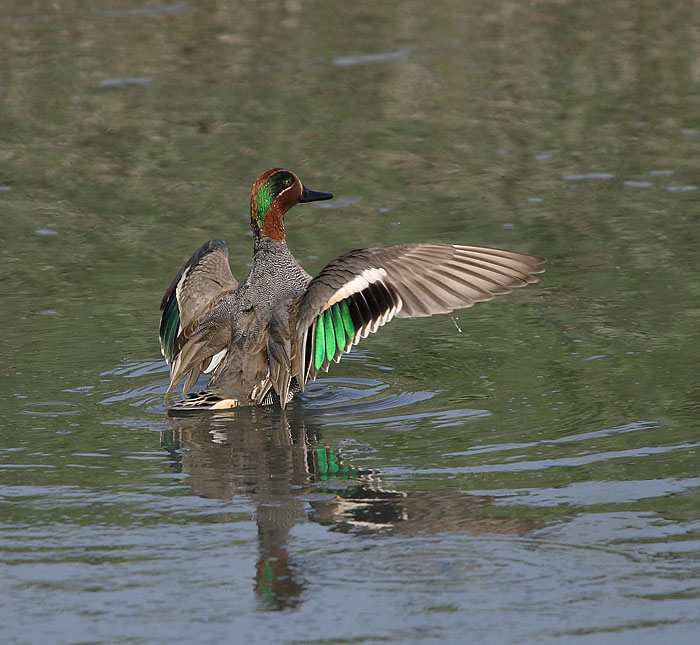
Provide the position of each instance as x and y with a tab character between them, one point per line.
261	342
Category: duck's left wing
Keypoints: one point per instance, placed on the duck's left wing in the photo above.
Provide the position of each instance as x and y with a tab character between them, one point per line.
362	290
191	299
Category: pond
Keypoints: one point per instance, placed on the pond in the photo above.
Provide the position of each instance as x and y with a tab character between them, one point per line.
526	470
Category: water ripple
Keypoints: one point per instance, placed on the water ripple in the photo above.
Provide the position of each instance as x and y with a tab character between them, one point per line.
363	59
182	7
594	493
569	462
589	175
636	426
441	418
334	396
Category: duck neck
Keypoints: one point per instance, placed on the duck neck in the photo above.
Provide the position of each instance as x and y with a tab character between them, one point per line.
266	244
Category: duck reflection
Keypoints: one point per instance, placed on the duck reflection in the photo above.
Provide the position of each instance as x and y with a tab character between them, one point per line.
278	460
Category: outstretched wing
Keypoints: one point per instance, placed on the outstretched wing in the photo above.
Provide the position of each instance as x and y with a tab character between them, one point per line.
362	290
188	345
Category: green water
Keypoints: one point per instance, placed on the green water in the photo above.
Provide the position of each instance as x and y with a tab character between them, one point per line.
524	471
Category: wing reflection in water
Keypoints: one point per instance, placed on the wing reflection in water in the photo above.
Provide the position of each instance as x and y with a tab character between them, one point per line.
278	460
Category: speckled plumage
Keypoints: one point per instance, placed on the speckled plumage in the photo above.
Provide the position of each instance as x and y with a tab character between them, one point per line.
259	309
263	340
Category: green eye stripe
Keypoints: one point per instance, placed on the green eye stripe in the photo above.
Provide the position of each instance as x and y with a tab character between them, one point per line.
265	197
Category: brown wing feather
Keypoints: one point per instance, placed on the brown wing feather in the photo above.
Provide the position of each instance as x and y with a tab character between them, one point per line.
408	280
189	337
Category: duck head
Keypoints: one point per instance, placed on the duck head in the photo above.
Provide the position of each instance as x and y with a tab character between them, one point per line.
272	195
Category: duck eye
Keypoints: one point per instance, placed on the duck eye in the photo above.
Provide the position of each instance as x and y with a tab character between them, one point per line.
287	182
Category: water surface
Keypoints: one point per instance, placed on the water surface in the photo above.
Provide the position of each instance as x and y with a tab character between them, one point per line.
523	471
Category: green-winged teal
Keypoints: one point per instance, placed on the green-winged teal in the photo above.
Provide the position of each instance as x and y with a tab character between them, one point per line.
263	340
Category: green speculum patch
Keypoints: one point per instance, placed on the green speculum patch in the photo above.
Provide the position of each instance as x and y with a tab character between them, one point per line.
330	335
169	326
334	329
347	319
320	353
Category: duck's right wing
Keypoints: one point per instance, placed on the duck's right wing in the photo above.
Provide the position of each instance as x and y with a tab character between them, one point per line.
190	339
